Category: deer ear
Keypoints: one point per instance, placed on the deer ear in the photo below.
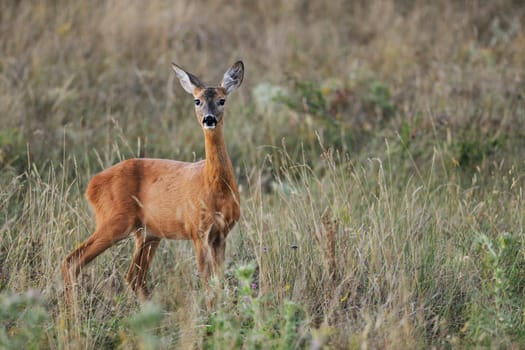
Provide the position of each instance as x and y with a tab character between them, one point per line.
188	81
232	79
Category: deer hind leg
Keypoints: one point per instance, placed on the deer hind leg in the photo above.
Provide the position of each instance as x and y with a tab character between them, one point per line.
104	237
145	247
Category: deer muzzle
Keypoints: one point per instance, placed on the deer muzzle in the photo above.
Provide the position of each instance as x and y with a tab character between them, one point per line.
209	121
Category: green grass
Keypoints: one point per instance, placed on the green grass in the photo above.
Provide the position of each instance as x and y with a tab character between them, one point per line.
379	148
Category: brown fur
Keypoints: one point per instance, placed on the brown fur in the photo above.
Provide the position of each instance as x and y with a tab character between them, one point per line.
160	198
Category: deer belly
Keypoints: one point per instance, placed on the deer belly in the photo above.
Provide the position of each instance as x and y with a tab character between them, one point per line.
171	222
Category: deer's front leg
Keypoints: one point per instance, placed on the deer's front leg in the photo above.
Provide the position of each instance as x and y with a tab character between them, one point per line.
205	266
210	250
217	243
204	260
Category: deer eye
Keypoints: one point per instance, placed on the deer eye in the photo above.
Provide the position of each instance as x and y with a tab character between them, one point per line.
222	101
197	102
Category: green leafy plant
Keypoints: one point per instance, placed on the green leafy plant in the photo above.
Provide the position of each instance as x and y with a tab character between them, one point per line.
13	150
255	322
472	151
143	326
306	98
379	95
23	321
499	309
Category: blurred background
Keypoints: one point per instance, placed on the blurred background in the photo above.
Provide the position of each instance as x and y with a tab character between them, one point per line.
379	146
81	77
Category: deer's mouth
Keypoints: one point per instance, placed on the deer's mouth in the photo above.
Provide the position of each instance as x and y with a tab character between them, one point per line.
209	122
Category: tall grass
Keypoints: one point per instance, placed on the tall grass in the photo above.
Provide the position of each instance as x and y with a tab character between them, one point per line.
379	148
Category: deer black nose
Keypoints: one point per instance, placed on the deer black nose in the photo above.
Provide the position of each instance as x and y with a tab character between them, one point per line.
209	121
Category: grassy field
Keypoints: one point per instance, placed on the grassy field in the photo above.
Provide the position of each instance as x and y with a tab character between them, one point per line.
379	147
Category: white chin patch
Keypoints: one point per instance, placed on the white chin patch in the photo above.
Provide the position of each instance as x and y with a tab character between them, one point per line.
209	126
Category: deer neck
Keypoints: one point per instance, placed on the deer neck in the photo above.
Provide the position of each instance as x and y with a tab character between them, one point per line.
218	166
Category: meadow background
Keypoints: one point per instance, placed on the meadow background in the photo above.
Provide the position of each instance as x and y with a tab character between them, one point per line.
379	147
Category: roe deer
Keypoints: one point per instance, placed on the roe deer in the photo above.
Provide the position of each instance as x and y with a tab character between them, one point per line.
160	198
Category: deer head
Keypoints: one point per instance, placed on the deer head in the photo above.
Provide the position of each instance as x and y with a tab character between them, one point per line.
210	101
